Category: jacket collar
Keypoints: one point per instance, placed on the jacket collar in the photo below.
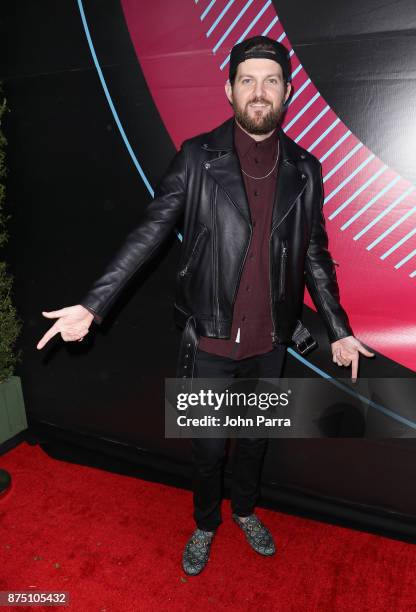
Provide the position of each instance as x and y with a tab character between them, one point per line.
221	139
225	170
244	143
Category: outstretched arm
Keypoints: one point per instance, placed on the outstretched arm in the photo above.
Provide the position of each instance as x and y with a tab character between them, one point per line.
144	241
139	247
323	287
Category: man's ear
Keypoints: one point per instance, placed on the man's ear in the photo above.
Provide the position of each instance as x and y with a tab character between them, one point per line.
288	90
287	96
229	91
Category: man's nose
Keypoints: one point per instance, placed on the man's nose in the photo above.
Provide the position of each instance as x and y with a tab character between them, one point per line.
259	91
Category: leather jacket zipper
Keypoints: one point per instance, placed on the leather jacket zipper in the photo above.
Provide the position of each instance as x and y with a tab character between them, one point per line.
242	265
282	283
185	269
214	255
282	275
274	335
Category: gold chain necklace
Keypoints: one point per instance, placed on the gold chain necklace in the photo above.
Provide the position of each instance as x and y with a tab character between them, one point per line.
259	178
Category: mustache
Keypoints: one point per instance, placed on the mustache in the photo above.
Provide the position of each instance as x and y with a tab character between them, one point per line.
259	101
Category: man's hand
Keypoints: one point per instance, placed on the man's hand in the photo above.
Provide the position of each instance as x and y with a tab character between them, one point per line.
346	351
73	324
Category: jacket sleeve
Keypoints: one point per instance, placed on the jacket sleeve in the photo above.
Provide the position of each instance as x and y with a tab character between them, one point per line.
320	275
142	243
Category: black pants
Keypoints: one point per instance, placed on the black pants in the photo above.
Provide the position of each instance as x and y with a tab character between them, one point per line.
208	453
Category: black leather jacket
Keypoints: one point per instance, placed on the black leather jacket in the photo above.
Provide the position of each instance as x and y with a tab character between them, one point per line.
204	184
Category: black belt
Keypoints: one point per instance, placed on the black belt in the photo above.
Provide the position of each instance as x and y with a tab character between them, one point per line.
301	338
187	350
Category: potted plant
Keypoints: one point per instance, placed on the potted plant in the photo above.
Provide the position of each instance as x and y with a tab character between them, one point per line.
12	411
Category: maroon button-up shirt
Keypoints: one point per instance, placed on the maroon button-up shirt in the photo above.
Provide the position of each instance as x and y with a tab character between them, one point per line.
252	326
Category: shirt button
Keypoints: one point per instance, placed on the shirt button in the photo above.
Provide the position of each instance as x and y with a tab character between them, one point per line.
243	318
256	161
256	193
254	224
247	288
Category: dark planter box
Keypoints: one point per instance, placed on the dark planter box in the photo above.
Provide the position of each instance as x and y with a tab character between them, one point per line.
12	409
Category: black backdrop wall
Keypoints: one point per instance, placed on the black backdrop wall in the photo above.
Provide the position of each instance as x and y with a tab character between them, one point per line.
74	193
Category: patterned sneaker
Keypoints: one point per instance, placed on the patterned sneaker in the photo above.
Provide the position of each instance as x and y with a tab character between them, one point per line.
196	553
257	534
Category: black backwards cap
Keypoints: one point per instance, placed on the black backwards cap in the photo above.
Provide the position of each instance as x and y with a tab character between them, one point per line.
278	53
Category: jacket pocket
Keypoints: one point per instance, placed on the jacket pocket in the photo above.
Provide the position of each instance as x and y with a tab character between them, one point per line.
282	272
196	247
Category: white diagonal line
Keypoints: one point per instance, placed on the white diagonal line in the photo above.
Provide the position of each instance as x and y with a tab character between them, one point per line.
399	243
335	146
357	193
405	259
325	133
218	19
391	228
349	178
380	216
269	27
371	202
299	91
294	73
233	24
250	27
343	161
207	10
312	123
301	112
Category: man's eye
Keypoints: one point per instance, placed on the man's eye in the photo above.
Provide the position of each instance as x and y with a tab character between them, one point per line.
246	80
274	81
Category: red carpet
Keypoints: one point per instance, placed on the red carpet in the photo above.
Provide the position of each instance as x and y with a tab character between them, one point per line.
115	543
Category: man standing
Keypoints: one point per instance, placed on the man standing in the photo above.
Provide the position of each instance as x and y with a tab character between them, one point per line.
254	233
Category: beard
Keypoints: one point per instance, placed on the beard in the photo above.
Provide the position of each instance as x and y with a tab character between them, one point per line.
262	122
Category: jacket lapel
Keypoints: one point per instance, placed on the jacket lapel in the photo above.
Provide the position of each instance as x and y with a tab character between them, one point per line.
290	182
225	170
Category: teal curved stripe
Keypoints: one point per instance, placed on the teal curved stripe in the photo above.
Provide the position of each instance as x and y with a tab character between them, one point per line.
110	101
346	389
307	363
112	107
